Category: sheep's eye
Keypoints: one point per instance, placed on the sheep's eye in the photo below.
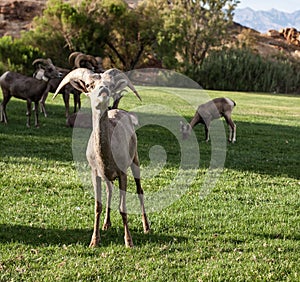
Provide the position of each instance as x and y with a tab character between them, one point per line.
92	85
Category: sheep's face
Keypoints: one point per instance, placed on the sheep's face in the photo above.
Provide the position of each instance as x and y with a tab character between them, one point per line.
185	130
50	71
100	92
47	72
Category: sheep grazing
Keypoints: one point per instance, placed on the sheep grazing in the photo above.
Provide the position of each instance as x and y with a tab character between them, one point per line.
112	146
26	88
214	109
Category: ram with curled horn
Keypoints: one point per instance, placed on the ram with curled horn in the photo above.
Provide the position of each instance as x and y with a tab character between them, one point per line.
27	88
52	86
81	60
112	147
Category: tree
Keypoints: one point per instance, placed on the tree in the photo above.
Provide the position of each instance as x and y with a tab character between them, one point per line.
191	28
133	34
64	28
178	33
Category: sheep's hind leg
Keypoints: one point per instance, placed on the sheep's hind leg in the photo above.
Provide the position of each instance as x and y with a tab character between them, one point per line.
232	129
136	173
107	222
123	210
2	114
6	98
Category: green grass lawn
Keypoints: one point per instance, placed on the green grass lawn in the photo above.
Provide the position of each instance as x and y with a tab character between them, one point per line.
247	228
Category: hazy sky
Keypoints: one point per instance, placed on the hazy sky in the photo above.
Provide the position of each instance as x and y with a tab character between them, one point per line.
281	5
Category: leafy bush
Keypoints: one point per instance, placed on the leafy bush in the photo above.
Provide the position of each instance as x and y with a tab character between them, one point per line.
242	70
17	56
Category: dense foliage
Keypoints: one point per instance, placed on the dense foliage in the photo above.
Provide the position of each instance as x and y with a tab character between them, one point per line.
182	35
16	56
242	70
172	34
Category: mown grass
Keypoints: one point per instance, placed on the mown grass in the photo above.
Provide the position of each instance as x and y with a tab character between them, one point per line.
246	229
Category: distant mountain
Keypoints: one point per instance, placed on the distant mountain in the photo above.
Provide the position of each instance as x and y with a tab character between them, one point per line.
263	21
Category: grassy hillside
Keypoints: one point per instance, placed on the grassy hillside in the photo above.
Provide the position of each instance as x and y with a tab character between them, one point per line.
246	228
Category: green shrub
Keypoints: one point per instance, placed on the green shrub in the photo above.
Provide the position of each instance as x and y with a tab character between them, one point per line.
242	70
16	56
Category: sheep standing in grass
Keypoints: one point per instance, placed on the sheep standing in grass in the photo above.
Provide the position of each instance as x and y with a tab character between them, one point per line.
112	146
206	113
26	88
76	60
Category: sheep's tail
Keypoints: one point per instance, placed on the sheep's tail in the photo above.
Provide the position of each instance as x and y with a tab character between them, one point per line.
234	103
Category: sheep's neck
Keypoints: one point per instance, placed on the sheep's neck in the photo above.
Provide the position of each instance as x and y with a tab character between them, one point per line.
101	132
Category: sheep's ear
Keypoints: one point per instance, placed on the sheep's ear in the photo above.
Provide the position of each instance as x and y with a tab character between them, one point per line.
79	85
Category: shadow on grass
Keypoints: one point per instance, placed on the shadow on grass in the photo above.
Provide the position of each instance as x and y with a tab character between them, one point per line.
260	147
36	236
265	148
279	236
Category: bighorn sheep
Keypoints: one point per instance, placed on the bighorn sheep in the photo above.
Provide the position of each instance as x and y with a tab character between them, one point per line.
214	109
112	146
65	91
26	88
84	120
76	60
81	60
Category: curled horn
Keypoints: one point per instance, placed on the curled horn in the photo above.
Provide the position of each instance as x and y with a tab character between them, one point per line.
83	57
72	57
42	61
80	75
121	81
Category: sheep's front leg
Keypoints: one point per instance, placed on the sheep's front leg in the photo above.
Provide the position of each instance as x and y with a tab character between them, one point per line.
28	113
42	104
77	102
36	114
98	209
66	97
123	210
206	132
107	222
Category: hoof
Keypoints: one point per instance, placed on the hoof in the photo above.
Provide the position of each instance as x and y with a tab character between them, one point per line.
106	226
94	242
128	243
146	231
146	228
